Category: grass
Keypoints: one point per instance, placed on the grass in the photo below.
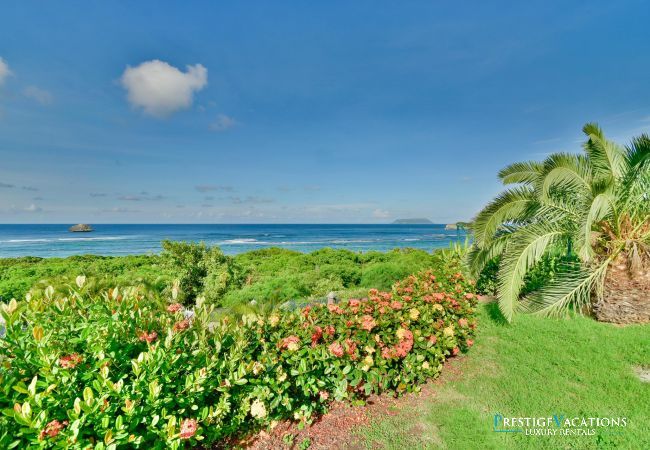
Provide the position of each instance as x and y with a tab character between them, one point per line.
534	367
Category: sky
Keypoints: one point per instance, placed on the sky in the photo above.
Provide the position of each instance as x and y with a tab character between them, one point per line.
301	112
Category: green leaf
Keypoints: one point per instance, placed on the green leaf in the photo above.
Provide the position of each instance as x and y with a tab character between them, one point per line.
88	395
32	386
20	387
527	247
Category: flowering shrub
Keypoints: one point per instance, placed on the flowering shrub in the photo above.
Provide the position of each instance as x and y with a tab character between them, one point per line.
121	370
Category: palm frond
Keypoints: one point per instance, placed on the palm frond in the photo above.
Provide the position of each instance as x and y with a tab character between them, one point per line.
638	153
565	171
607	157
527	246
601	206
634	189
571	288
521	172
510	206
478	257
558	208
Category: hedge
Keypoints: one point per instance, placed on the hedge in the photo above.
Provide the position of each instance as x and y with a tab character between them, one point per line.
121	370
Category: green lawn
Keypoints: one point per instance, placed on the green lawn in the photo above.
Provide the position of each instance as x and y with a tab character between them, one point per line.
533	367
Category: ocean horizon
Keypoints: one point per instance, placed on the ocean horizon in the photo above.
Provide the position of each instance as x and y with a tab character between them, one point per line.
54	240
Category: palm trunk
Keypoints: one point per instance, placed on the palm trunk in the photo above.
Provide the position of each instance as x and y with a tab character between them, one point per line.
626	296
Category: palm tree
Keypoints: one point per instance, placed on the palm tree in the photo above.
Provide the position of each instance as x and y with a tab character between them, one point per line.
594	205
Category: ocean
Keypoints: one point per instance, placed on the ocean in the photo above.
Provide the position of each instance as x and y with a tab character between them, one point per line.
55	240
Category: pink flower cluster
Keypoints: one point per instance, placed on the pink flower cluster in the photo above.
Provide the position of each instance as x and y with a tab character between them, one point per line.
354	304
148	337
70	361
368	323
351	349
188	428
286	342
52	429
316	336
174	308
181	326
334	309
336	349
405	344
401	349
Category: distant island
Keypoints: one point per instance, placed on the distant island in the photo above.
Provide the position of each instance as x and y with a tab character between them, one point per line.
416	221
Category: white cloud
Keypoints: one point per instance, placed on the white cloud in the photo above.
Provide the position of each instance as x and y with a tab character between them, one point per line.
161	89
223	123
40	95
380	214
4	71
33	208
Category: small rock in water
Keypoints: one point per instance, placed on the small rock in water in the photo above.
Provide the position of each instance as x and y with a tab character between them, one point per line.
80	228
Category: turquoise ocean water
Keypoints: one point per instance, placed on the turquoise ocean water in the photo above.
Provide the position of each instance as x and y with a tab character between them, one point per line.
55	239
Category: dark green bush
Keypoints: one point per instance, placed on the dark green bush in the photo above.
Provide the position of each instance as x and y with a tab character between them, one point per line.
201	271
348	274
383	275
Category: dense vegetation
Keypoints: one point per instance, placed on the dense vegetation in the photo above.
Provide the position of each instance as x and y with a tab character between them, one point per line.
267	276
593	208
19	275
127	368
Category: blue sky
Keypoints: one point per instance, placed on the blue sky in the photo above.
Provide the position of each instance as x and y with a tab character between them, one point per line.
301	111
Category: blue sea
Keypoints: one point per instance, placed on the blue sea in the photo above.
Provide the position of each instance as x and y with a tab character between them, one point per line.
56	241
